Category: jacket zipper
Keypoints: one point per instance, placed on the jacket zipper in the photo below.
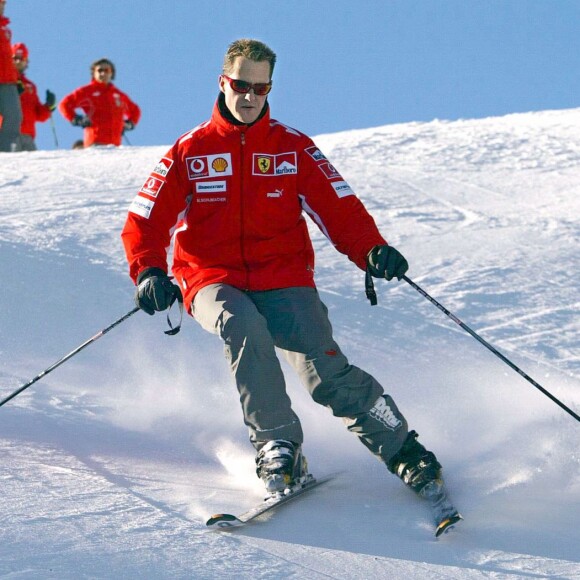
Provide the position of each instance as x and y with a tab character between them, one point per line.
242	175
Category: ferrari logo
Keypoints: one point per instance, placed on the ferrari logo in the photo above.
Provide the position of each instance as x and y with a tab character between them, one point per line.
264	164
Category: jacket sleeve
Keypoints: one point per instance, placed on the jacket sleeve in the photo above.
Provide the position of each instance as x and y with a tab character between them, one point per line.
68	105
41	111
154	215
331	203
133	112
8	72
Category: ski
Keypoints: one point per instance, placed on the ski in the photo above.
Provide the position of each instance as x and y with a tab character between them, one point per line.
445	515
225	521
447	523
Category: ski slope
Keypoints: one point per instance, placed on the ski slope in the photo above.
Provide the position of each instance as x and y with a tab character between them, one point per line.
110	464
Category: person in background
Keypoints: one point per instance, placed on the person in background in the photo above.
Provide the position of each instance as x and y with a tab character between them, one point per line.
33	111
10	110
235	190
107	112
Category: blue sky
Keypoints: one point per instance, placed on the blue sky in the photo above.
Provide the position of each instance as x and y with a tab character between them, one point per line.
341	64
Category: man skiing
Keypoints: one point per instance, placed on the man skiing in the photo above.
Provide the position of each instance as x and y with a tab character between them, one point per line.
10	111
107	111
232	192
33	111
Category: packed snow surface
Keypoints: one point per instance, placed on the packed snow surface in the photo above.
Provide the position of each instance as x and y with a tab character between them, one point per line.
111	463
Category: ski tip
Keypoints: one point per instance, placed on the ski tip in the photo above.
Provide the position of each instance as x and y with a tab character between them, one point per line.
447	524
223	521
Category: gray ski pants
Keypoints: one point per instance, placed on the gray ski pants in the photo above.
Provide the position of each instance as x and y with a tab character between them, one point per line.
253	324
26	143
11	117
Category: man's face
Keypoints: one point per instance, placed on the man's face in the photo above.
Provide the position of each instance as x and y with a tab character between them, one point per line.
2	6
20	63
246	107
103	73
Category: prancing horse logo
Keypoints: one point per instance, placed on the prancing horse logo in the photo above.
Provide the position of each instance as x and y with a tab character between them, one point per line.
264	164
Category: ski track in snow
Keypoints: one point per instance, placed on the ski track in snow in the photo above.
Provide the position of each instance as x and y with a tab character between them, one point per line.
111	464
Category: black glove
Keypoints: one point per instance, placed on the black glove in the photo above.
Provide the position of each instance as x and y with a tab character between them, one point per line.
128	125
155	291
387	262
50	100
81	121
20	86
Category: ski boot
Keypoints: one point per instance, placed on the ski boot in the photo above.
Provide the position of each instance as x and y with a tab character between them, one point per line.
281	466
420	470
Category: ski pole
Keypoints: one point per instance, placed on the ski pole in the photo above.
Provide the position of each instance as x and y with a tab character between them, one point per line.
53	126
490	347
69	355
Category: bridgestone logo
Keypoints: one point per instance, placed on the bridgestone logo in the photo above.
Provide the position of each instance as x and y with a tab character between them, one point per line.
384	414
211	186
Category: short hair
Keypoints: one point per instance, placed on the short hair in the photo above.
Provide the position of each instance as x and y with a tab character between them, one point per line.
249	48
103	61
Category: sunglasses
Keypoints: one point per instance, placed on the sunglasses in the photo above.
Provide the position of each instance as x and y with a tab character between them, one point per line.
244	87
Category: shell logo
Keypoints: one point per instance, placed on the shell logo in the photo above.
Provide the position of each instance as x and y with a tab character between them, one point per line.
219	165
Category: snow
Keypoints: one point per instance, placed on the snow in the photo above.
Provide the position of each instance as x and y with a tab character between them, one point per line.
111	463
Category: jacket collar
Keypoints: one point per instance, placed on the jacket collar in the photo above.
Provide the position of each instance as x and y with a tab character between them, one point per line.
102	86
227	123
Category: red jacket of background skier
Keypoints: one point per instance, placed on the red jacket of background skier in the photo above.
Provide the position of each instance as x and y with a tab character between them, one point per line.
106	106
33	111
8	74
234	195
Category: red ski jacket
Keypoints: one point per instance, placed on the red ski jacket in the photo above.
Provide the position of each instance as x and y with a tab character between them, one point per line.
8	72
106	106
33	111
234	196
